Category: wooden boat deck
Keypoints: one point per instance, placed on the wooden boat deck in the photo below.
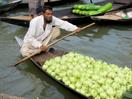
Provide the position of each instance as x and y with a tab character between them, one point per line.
26	18
42	57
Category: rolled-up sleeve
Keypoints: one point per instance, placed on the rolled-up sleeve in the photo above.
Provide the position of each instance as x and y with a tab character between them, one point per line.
30	36
64	24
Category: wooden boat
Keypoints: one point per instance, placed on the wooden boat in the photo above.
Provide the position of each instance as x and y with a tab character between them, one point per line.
50	2
9	6
64	14
117	17
39	60
61	2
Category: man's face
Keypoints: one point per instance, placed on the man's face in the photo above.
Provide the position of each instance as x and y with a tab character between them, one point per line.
48	16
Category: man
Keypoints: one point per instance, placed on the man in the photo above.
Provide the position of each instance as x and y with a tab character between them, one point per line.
41	31
34	7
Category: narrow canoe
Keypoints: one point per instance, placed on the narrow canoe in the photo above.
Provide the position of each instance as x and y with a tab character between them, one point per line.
8	6
123	16
40	59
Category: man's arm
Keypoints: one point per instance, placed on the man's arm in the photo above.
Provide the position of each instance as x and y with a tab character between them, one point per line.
65	25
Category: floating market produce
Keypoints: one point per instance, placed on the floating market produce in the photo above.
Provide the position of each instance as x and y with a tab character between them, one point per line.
87	6
89	76
91	9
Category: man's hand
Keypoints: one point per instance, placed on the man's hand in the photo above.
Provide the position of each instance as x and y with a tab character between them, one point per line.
78	30
44	48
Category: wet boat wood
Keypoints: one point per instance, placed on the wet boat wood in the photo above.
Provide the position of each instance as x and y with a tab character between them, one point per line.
116	17
51	3
9	6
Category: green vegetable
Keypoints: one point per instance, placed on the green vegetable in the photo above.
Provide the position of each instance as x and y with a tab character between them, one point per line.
94	7
91	77
91	9
105	8
93	13
87	7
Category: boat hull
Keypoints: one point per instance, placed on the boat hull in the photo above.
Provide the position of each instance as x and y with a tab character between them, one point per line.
64	14
114	17
9	6
41	58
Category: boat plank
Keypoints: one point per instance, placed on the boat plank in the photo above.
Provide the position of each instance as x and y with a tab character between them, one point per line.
26	18
44	56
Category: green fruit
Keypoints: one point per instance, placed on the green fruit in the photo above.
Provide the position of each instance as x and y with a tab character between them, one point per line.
105	8
93	13
90	7
91	77
75	6
77	11
73	11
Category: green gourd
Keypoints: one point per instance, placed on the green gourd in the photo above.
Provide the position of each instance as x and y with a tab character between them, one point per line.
87	7
93	13
105	8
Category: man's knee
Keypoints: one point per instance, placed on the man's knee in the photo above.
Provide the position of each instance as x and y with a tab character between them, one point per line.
24	53
55	33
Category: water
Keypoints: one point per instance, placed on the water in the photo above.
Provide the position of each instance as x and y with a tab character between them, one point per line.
112	44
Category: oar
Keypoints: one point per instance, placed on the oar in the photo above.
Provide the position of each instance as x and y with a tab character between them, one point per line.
22	60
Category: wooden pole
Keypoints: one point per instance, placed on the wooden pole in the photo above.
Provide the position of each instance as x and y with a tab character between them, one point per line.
22	60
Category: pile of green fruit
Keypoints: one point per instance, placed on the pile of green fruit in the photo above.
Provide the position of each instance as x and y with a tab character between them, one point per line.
89	76
91	9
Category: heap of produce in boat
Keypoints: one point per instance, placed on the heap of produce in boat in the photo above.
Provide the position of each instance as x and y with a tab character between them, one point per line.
91	9
89	76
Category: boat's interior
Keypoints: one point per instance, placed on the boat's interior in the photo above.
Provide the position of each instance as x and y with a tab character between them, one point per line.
41	58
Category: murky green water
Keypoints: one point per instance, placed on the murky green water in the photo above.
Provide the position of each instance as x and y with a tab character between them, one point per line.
112	44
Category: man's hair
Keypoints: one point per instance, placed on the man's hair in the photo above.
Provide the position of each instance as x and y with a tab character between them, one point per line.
39	10
47	8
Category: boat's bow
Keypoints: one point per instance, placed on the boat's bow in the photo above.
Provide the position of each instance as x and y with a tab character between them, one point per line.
19	41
